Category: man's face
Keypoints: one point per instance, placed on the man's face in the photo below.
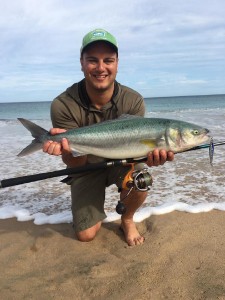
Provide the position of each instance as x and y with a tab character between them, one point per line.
99	64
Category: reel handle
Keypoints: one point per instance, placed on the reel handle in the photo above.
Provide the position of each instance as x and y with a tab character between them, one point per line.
140	180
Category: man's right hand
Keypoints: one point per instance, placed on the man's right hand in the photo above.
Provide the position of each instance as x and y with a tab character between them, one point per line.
56	148
63	148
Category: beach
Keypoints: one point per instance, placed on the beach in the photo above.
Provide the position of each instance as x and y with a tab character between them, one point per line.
182	219
183	257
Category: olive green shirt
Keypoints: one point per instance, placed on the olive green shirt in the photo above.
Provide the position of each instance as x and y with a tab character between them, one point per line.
70	109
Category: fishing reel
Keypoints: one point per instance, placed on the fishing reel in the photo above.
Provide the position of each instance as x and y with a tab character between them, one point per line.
137	178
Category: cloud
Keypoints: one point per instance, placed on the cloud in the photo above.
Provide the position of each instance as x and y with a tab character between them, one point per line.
40	42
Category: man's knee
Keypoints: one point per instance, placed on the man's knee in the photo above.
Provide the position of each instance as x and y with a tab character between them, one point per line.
89	234
84	236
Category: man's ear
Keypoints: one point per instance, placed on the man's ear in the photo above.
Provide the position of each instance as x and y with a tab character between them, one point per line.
81	62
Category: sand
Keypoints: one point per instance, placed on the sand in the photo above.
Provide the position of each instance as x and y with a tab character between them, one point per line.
183	257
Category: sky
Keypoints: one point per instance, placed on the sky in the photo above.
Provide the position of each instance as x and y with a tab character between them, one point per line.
166	48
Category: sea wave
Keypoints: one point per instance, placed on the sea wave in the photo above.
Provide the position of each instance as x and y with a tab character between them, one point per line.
23	215
186	110
189	179
149	113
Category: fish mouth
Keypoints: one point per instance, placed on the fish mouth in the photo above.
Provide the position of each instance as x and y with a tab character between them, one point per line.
206	134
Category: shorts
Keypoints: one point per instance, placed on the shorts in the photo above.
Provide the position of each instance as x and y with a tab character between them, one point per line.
88	194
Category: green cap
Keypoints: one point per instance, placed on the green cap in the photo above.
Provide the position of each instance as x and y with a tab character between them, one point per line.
98	35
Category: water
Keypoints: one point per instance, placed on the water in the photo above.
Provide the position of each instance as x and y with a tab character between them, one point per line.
187	184
27	110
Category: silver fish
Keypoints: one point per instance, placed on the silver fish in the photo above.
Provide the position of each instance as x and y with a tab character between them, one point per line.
125	137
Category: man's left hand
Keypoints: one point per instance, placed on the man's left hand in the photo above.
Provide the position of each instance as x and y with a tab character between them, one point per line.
159	157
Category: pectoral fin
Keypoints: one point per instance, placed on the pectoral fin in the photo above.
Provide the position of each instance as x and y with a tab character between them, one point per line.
76	153
152	144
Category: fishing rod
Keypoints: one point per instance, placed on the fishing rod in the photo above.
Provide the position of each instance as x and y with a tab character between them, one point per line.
91	167
68	171
207	145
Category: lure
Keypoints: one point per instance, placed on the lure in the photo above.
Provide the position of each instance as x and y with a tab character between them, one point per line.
211	151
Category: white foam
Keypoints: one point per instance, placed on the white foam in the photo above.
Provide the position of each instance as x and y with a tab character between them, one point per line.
65	217
15	212
179	206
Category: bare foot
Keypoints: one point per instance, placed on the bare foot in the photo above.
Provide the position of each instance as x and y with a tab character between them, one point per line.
132	236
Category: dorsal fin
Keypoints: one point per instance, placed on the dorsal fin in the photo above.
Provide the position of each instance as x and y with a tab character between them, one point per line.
127	116
120	118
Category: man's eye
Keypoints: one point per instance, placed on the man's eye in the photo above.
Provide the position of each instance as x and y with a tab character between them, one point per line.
109	61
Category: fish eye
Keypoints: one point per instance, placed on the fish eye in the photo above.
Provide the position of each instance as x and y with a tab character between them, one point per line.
195	132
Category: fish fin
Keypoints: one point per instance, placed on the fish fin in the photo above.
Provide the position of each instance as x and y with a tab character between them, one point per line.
156	143
76	153
31	148
127	116
120	118
36	131
150	143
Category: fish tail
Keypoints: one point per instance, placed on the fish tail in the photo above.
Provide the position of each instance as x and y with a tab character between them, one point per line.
36	131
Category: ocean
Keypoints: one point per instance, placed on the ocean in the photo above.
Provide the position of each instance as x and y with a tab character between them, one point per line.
189	183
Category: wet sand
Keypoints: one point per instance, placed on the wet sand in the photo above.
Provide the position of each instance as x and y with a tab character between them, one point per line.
183	257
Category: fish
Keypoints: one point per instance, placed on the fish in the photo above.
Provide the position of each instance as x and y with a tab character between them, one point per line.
125	137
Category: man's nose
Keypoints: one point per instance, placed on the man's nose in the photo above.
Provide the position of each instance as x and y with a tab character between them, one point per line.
100	66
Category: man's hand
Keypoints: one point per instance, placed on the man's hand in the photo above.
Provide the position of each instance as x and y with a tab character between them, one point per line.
56	148
63	148
159	157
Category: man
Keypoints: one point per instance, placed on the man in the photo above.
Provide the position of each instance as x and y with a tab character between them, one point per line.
98	97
